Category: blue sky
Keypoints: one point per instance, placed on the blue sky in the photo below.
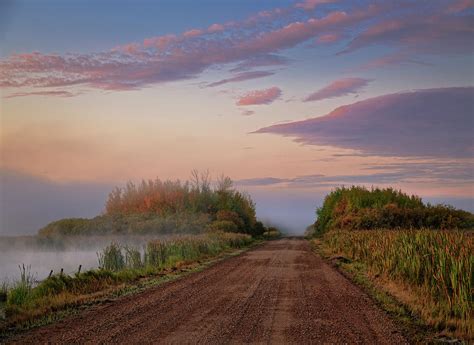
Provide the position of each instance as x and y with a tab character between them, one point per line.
100	92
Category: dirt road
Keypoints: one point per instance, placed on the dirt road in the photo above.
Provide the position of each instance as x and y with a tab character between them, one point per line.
277	293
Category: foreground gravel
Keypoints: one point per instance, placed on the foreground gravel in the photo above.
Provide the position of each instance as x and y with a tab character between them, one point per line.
280	292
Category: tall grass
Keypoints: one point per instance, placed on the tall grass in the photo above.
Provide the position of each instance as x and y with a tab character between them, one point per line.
161	253
439	264
20	293
111	258
118	265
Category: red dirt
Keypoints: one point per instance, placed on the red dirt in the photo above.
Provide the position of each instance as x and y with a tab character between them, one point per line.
280	292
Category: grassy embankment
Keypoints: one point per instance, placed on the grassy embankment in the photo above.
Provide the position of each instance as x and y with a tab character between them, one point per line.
429	271
220	217
120	267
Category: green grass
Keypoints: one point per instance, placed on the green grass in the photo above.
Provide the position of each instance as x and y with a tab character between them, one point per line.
20	293
433	268
119	265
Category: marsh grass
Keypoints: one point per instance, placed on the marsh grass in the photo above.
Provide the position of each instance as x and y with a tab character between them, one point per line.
111	258
118	265
434	268
20	292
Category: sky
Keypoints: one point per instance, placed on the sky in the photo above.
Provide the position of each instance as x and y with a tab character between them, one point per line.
289	98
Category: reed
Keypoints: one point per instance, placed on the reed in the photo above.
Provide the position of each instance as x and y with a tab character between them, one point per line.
439	264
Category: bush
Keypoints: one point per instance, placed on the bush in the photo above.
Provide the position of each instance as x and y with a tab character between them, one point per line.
359	208
166	207
272	233
223	225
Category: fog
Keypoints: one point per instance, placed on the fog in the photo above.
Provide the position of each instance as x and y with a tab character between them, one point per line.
29	203
67	253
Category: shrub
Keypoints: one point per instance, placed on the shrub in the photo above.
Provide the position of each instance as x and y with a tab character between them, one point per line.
360	208
223	225
272	233
166	207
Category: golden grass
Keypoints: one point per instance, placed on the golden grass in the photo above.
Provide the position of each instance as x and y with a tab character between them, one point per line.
429	271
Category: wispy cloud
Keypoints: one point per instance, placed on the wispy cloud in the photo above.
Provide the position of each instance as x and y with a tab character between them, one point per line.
432	122
338	88
261	61
442	173
257	97
312	4
393	59
428	30
242	77
416	27
246	112
42	93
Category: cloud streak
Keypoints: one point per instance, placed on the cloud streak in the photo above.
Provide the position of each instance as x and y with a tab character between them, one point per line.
242	77
445	173
42	93
431	122
259	97
338	88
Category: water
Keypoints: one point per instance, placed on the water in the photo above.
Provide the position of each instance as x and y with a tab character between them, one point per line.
43	256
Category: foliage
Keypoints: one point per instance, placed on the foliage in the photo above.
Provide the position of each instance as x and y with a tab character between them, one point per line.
119	264
272	233
21	290
111	258
133	224
440	264
167	207
360	208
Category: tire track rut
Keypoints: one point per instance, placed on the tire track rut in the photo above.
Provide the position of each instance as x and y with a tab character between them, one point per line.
277	293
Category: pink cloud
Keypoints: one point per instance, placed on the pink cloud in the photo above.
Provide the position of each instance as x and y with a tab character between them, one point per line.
417	123
42	93
168	57
328	38
177	57
338	88
160	42
193	33
396	58
436	33
261	61
216	28
242	77
258	97
312	4
246	112
460	5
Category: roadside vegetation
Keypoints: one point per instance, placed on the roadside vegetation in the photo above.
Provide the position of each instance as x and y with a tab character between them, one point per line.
272	233
428	266
119	266
167	207
359	208
200	219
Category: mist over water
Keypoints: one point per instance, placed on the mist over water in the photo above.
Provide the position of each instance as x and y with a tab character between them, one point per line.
67	253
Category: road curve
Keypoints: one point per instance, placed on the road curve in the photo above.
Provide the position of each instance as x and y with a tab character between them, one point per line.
280	292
